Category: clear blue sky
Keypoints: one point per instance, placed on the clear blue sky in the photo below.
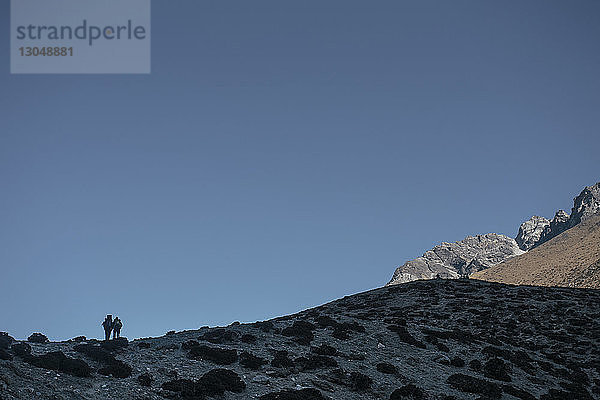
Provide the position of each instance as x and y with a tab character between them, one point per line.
284	154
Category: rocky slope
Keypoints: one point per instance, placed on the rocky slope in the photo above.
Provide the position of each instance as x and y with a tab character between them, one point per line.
474	254
458	259
425	340
570	259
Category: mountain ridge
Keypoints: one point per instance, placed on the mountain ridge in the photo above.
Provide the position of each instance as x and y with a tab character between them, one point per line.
466	257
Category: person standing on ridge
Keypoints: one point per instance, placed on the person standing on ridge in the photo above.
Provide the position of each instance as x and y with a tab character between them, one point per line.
108	326
117	325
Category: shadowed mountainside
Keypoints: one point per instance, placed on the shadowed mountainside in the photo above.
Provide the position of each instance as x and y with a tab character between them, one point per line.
570	259
435	339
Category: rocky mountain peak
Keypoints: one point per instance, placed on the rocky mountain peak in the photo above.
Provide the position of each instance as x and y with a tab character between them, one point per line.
530	232
585	205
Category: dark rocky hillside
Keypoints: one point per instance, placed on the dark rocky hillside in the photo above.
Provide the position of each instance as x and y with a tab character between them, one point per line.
436	339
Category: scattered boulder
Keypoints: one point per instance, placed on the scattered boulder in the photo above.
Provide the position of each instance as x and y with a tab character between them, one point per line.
5	340
145	379
96	353
189	344
497	369
112	366
214	354
405	336
408	392
302	331
282	360
387	368
78	339
457	362
21	349
290	394
265	326
118	369
251	361
214	383
115	344
217	381
360	382
144	345
57	361
4	355
219	336
38	338
248	338
471	384
325	350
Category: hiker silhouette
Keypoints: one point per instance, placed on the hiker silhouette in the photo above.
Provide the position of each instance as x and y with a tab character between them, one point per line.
108	325
117	325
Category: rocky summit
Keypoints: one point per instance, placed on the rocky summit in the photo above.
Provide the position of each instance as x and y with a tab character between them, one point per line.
425	340
478	253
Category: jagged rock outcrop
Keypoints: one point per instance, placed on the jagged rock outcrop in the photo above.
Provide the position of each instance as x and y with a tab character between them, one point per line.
531	231
558	225
458	259
585	206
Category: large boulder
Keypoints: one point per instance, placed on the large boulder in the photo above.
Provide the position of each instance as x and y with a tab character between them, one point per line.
37	338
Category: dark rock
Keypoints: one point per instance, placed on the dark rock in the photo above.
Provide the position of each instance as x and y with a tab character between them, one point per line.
302	331
4	355
218	381
325	350
360	382
408	392
518	393
315	362
325	321
21	349
219	336
282	360
248	338
251	361
5	340
289	394
118	369
471	384
497	369
38	338
457	362
187	388
475	365
145	379
189	344
386	368
57	361
96	353
144	345
216	355
405	336
265	326
78	339
115	344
